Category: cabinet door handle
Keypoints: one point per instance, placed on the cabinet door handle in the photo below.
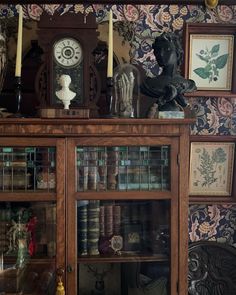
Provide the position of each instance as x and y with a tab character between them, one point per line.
69	268
60	271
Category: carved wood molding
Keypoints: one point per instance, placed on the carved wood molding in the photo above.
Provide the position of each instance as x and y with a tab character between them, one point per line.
94	127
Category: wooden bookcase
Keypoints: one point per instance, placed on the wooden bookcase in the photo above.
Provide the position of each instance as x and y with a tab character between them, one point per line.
149	159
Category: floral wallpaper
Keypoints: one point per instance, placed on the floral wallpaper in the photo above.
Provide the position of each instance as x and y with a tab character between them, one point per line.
213	222
215	116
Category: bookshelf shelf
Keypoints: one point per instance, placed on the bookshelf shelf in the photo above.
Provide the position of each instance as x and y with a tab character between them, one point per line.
124	258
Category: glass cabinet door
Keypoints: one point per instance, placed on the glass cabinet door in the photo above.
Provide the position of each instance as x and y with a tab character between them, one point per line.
27	246
123	246
123	168
126	218
28	219
27	169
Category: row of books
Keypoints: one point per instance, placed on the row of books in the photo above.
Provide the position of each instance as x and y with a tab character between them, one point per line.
99	221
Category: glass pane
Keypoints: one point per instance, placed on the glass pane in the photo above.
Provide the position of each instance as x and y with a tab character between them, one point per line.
128	240
27	247
27	168
123	168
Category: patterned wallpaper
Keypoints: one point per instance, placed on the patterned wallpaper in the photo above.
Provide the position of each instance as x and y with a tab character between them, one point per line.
213	222
215	116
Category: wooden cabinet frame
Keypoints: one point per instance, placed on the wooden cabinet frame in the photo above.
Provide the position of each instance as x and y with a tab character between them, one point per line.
65	134
58	195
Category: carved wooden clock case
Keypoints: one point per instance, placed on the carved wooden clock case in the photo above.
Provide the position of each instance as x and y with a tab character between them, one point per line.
68	42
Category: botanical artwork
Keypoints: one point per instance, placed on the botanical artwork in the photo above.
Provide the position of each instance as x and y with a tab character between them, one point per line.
211	168
213	63
212	223
211	58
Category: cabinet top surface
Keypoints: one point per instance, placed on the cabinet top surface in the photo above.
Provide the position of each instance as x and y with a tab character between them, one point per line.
94	127
99	121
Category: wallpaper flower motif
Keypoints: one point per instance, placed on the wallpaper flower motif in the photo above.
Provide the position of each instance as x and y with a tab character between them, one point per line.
215	116
212	222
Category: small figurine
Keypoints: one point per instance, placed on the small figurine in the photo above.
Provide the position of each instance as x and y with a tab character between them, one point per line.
126	91
65	94
153	111
15	230
30	226
100	276
169	86
126	85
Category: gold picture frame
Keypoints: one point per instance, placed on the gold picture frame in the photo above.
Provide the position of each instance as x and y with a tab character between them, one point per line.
211	168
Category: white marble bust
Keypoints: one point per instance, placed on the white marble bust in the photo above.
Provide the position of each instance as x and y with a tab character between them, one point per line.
65	94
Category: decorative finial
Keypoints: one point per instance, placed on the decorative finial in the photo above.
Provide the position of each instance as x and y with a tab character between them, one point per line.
211	3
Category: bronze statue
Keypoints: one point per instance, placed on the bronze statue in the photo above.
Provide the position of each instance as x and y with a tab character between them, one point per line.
169	86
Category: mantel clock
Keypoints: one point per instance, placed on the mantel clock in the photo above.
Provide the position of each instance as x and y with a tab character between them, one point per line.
68	42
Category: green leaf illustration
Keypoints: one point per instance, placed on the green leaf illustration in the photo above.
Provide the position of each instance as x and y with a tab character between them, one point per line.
221	61
207	68
219	155
206	167
202	72
215	49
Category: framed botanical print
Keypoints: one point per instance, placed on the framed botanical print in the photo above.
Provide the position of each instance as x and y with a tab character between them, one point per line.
211	168
210	58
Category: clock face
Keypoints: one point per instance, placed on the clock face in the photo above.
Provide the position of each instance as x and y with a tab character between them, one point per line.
67	52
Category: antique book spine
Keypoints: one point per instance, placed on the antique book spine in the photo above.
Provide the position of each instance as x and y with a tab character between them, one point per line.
108	220
112	167
102	221
92	168
82	169
103	240
117	220
93	227
83	229
102	169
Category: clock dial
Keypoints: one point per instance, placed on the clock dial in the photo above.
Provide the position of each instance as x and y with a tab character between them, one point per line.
67	52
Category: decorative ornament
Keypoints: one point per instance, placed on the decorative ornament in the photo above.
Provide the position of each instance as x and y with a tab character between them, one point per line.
65	94
116	244
211	3
60	288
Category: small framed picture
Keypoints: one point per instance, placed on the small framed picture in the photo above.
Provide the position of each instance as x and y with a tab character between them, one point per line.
210	58
211	168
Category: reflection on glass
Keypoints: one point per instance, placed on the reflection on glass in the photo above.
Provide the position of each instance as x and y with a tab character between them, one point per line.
123	168
134	278
27	246
27	168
